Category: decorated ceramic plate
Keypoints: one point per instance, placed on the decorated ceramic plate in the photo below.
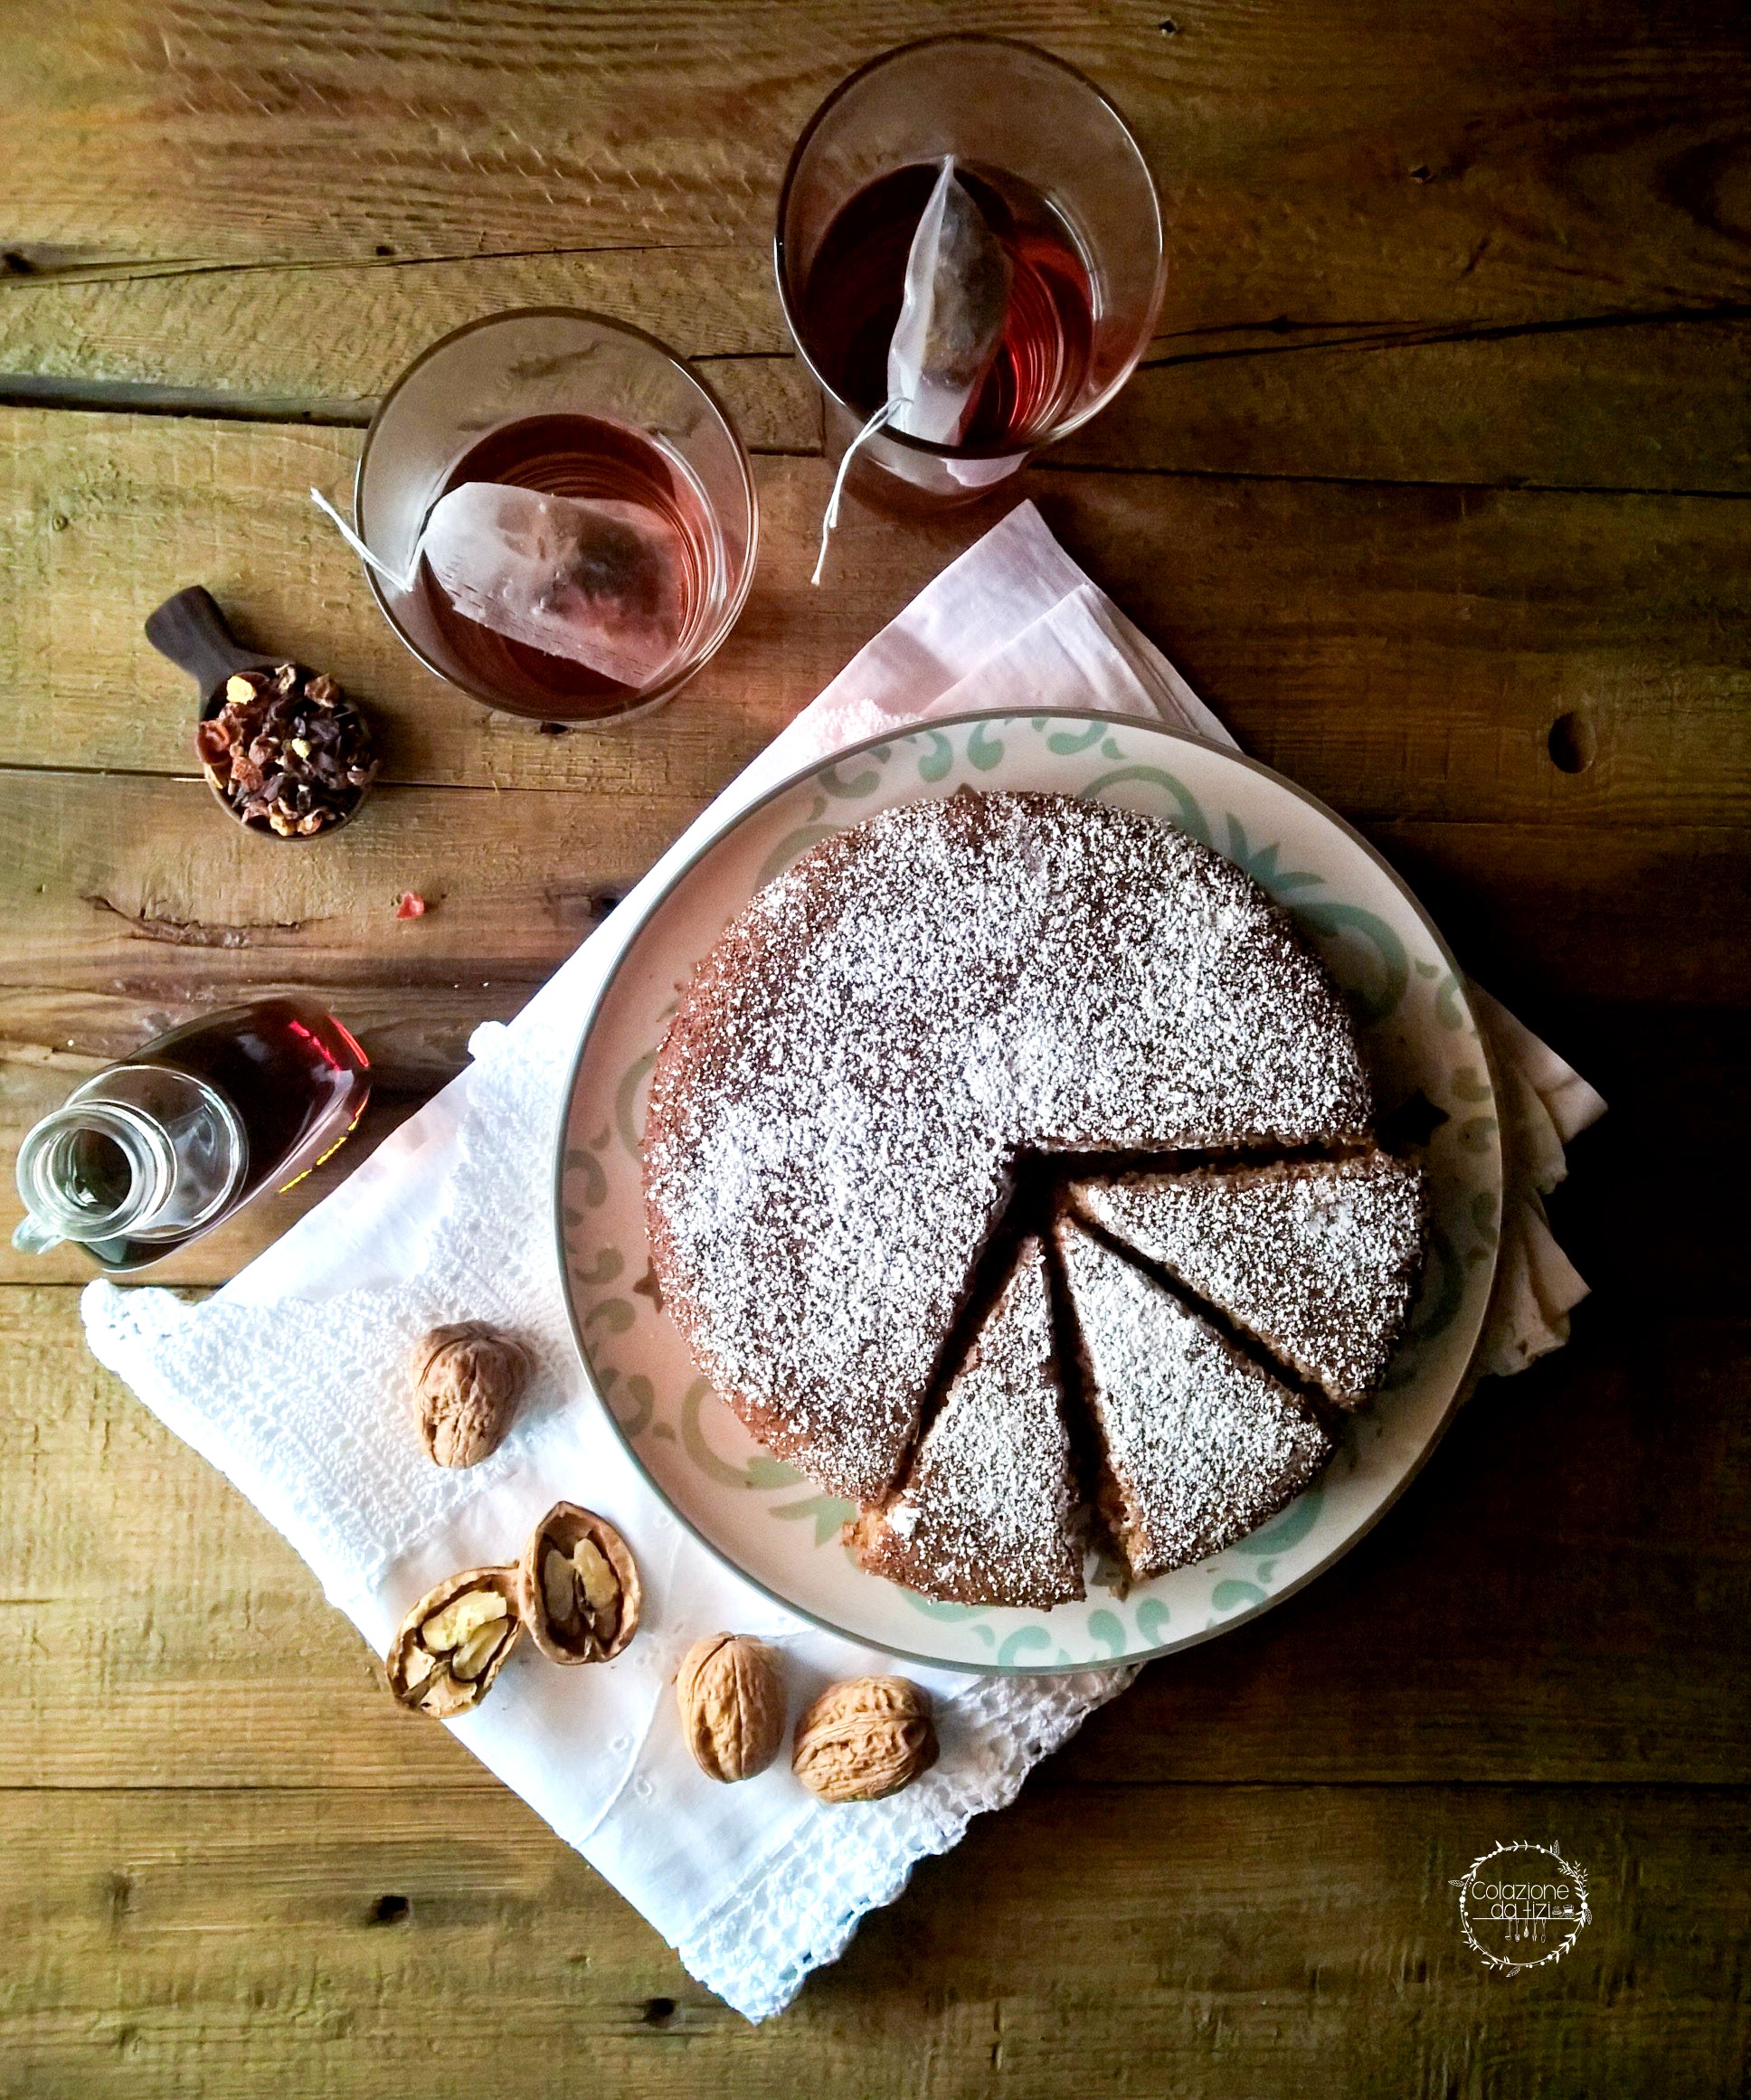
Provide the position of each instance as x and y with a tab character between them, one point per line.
1432	1078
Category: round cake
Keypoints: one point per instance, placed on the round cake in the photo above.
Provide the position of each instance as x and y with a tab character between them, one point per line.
921	1004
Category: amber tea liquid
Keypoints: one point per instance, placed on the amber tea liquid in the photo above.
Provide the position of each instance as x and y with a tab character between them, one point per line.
588	457
852	299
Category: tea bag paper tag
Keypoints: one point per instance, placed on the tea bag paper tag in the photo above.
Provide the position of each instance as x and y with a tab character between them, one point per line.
951	320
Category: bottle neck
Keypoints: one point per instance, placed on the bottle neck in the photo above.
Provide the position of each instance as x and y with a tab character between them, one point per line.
142	1152
96	1170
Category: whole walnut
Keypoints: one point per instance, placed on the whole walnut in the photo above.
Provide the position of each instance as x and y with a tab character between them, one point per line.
469	1377
730	1698
865	1739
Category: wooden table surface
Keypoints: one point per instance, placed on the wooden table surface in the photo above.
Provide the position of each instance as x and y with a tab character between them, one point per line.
1435	483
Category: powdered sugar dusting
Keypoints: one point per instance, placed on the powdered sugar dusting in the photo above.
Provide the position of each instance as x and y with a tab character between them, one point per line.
1201	1446
835	1110
1317	1259
987	1512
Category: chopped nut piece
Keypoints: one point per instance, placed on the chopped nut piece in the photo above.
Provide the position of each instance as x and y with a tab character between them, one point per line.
469	1377
461	1621
560	1587
596	1579
453	1643
865	1739
730	1698
580	1592
473	1656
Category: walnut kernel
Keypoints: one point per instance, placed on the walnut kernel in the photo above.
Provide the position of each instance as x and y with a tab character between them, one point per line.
730	1698
469	1377
865	1739
453	1643
580	1586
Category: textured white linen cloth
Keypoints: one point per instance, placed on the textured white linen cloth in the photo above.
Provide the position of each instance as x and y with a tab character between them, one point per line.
754	1885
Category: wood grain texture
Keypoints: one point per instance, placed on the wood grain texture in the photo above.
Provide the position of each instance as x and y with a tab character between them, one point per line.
1555	161
1620	402
1402	652
1516	257
1217	1941
1445	294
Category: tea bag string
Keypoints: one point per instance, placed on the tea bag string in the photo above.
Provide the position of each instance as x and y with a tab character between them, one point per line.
884	415
401	583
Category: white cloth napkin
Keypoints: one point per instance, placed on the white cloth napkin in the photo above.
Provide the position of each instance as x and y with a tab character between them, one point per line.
754	1885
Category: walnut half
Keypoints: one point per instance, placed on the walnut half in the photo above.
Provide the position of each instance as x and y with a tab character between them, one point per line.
865	1739
580	1592
452	1643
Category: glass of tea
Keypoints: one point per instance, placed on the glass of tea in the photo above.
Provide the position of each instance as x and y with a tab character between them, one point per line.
1057	177
570	405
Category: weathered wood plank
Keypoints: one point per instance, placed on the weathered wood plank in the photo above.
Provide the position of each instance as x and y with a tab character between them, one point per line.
133	885
1639	403
138	887
1576	285
336	335
1632	406
1217	1941
1329	162
1402	652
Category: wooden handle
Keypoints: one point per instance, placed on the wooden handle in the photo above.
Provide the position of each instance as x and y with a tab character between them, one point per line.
190	630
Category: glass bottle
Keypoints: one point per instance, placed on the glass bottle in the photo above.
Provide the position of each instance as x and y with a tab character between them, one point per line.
162	1148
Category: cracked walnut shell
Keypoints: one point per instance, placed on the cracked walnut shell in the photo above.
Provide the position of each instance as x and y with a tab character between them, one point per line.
732	1702
469	1376
865	1739
580	1591
453	1643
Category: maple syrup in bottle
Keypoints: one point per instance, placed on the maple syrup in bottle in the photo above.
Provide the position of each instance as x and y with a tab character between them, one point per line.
592	457
160	1149
856	284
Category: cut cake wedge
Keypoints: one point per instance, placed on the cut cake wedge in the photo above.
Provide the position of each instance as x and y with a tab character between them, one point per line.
987	1511
1318	1260
1201	1446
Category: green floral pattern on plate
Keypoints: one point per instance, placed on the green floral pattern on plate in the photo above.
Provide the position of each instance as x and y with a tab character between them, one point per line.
1420	1036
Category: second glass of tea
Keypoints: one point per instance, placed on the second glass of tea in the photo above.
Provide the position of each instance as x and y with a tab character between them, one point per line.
569	404
1061	182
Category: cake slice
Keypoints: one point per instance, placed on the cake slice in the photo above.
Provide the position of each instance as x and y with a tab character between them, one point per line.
1200	1444
1318	1260
987	1511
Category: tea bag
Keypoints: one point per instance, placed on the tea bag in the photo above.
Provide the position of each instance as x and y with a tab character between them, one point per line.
951	321
592	580
957	300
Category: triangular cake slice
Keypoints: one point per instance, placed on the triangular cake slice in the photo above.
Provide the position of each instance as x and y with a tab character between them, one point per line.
987	1512
1317	1259
1201	1446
